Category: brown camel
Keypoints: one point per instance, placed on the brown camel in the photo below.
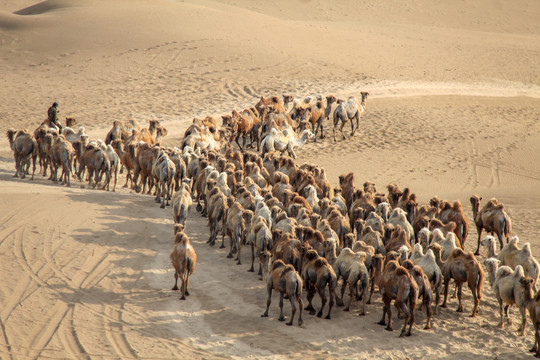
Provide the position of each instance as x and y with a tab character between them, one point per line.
424	288
491	217
284	279
397	284
454	212
317	274
463	267
183	258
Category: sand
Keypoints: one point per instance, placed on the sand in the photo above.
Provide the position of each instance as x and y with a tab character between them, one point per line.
453	111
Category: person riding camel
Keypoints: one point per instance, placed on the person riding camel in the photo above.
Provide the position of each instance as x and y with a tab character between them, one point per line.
52	114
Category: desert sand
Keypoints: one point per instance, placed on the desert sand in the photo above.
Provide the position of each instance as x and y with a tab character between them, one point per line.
454	110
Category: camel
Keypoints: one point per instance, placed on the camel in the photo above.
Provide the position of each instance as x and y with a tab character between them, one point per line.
217	210
424	288
237	221
163	170
347	186
284	279
350	266
463	267
316	118
183	259
454	212
288	249
181	201
492	218
397	284
398	218
428	263
25	149
317	274
126	153
121	130
348	111
96	161
61	155
533	305
511	255
509	290
259	239
286	141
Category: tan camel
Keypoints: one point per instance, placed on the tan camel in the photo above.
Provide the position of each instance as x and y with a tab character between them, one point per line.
533	305
463	267
25	149
351	268
61	155
492	218
183	258
284	279
348	111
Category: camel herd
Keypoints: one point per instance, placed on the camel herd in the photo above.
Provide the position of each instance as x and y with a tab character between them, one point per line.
304	235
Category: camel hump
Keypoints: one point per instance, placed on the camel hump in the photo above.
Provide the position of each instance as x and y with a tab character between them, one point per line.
288	268
278	264
527	250
514	240
457	205
518	272
470	256
320	262
400	271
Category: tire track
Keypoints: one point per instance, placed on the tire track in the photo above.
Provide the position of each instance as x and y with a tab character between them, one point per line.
116	335
70	340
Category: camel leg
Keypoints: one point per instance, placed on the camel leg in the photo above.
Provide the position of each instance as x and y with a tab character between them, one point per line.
322	295
293	299
446	281
352	128
351	293
523	312
239	256
460	305
477	252
501	322
175	287
310	294
339	301
269	300
281	316
252	268
183	287
403	308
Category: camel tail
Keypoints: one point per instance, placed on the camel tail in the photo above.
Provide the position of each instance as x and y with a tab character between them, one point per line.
507	227
480	283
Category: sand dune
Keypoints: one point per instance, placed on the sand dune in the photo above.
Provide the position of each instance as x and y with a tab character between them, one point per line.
453	111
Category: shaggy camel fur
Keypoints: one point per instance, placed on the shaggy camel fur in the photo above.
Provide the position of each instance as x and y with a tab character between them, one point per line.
284	279
317	274
398	239
492	218
463	267
146	154
428	263
397	284
61	155
181	201
491	243
424	288
114	159
316	118
454	212
511	255
348	111
183	259
25	149
350	266
236	222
